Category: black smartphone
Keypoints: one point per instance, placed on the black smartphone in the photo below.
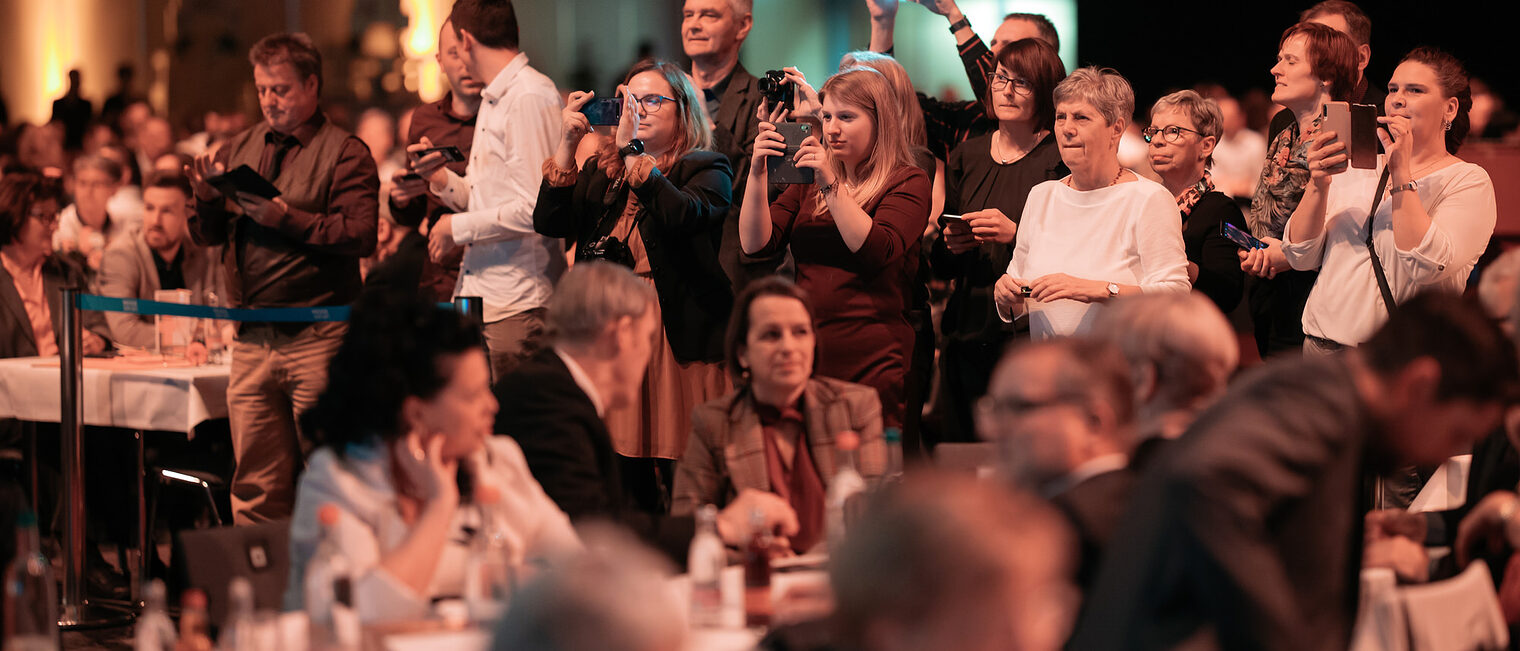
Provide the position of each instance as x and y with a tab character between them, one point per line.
451	154
1355	125
783	169
1241	238
243	179
411	176
603	112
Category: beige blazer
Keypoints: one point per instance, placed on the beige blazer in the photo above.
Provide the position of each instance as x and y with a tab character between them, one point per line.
726	450
127	271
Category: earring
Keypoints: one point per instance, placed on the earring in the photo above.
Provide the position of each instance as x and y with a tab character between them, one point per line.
1446	124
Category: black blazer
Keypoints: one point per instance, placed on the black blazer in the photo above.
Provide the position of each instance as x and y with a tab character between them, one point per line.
1219	274
570	452
16	339
1093	507
682	212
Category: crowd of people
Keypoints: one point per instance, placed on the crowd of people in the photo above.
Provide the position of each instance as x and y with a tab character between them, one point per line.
670	321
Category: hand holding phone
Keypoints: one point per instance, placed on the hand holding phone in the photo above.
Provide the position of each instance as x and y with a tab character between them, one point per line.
603	112
784	168
1241	238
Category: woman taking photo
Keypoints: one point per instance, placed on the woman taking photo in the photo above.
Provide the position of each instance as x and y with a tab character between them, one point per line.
654	200
854	232
394	474
1434	212
1315	64
987	179
1184	129
1097	234
776	431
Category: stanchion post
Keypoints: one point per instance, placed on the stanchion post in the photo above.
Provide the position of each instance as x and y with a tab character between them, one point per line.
75	613
471	306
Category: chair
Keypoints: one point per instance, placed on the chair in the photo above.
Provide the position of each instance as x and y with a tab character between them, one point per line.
259	552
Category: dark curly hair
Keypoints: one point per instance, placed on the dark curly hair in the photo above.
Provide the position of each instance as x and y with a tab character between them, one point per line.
395	348
19	191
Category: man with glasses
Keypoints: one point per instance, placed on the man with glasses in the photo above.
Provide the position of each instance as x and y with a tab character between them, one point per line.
1062	413
512	268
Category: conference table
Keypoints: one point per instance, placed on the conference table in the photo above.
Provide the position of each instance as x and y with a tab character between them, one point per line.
140	393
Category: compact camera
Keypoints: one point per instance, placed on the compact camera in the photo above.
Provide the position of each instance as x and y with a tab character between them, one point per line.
777	90
608	248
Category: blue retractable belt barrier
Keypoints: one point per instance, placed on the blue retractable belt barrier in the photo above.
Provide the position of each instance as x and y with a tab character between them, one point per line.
270	314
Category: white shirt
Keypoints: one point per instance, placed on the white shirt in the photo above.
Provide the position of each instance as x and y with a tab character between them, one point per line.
582	380
1345	305
1237	163
512	268
370	526
1127	233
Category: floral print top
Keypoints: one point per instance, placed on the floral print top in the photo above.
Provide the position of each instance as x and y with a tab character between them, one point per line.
1283	178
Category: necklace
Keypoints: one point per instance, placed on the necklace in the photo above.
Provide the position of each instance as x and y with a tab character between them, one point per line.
1039	135
1072	184
1426	168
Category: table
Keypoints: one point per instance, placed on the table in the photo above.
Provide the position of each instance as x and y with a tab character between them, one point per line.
136	393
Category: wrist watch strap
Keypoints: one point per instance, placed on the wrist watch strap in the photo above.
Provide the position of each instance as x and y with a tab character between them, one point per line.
957	25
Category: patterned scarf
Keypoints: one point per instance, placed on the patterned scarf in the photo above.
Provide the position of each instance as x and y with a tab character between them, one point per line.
1190	196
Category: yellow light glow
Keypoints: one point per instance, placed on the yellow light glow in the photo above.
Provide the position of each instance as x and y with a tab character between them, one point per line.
57	27
419	41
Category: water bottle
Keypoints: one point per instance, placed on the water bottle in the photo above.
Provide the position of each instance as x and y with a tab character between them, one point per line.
757	572
329	589
31	615
488	572
705	563
893	437
239	633
844	488
155	631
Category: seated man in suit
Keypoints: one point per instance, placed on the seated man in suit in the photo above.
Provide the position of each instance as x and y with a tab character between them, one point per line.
603	324
1062	414
158	256
1247	533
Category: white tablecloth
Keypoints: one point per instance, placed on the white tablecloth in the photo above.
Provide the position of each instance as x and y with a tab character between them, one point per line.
155	399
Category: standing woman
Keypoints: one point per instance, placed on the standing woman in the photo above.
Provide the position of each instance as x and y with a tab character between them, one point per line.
987	179
654	200
1434	217
1098	234
854	233
1184	129
1315	64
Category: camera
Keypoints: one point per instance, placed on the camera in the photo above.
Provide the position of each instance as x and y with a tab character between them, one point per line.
607	248
777	90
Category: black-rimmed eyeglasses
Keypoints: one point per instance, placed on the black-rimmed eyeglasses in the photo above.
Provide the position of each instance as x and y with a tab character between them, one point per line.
998	82
652	103
1172	133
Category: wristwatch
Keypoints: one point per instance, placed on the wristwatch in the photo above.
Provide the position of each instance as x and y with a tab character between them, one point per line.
1113	290
1400	188
633	148
957	25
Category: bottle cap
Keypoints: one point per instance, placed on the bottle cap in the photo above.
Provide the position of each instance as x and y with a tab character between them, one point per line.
26	519
193	598
847	441
892	435
327	516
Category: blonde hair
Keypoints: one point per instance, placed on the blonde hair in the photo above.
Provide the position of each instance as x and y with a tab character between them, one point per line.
902	85
869	89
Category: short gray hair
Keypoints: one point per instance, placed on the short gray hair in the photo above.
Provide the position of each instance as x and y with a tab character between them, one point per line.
1183	337
593	294
616	596
1104	88
1207	119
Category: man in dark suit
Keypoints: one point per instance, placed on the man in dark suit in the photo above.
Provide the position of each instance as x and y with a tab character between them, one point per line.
712	31
1248	532
1062	413
604	325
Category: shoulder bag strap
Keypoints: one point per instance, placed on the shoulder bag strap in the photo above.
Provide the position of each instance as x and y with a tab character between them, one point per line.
1377	264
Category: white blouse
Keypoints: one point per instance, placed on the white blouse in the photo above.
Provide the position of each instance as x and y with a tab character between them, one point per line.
1345	305
1127	233
370	525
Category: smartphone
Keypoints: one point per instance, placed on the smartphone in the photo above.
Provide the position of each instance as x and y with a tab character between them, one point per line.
1241	238
945	221
1355	125
603	112
451	154
783	169
410	177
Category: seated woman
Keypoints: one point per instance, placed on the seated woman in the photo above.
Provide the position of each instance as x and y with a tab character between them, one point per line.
1101	232
665	182
1184	129
406	419
854	232
1430	214
32	275
776	431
